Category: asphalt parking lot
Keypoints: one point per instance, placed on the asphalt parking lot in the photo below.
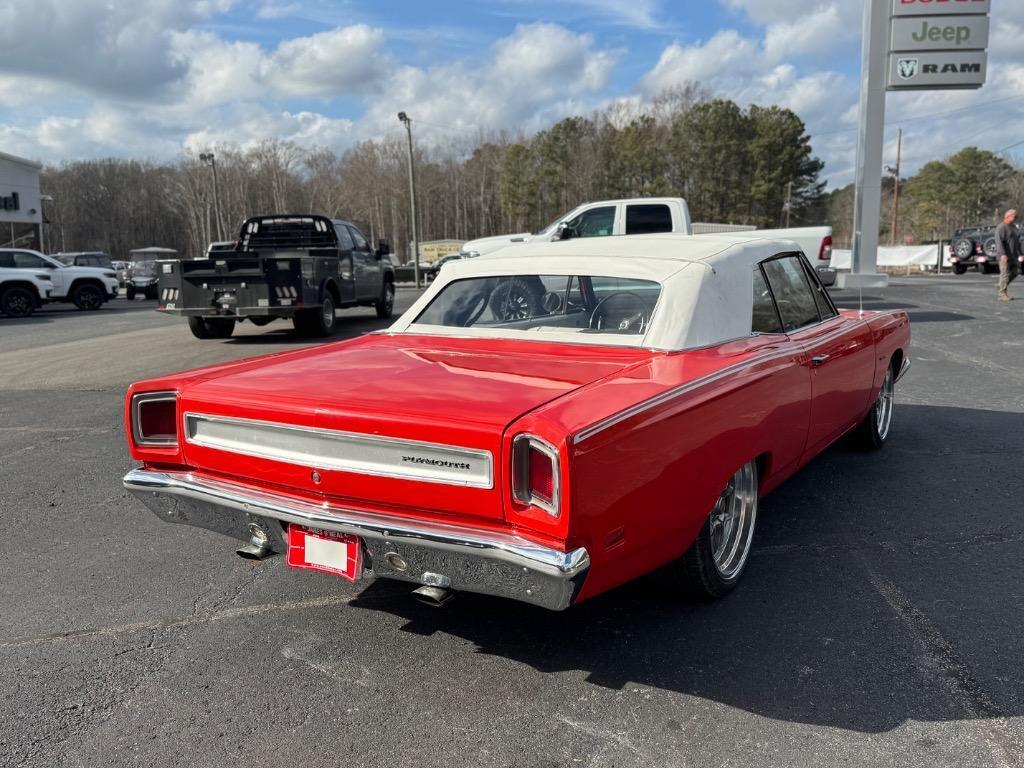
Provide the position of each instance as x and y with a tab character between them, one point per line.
880	622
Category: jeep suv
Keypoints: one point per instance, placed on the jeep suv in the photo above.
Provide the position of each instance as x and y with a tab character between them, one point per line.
87	288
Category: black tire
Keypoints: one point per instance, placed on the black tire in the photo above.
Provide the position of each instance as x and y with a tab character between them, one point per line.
962	247
88	297
872	433
129	292
959	269
989	247
702	572
319	321
152	292
260	320
211	328
517	299
17	301
385	305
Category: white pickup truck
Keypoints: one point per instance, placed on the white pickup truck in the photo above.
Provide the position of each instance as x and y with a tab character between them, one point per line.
646	215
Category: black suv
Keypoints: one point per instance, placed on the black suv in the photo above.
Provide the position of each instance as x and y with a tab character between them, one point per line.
973	247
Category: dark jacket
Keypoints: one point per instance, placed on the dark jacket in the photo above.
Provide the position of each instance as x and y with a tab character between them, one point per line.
1008	240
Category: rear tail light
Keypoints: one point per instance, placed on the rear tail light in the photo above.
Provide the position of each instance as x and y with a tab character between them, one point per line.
825	254
154	418
535	473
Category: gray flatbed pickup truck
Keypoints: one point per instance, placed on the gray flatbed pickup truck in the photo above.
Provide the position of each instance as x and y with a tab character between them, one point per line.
300	266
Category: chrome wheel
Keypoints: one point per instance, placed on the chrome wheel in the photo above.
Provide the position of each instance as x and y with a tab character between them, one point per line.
732	522
883	406
327	310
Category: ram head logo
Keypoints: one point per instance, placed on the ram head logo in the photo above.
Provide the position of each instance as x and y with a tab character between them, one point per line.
907	68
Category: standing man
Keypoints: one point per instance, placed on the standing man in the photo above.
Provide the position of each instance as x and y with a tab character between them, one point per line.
1008	248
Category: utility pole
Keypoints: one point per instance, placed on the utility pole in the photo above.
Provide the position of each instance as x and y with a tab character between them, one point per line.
209	157
789	201
895	171
412	201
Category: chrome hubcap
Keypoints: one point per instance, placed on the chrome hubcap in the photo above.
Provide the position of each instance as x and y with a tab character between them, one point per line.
883	406
328	310
732	522
389	296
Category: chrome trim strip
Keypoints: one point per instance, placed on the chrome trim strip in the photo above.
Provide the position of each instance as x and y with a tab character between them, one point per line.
327	448
532	572
140	399
903	368
521	482
671	394
690	386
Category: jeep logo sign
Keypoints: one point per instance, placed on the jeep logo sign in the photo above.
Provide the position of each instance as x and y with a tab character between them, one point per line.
939	7
937	70
939	33
10	202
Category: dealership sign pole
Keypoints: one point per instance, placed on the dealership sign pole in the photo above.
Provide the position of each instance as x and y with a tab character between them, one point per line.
931	45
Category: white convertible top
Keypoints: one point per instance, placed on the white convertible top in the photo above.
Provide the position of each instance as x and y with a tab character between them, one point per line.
706	284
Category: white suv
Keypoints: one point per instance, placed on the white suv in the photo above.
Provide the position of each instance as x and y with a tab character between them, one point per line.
87	287
22	291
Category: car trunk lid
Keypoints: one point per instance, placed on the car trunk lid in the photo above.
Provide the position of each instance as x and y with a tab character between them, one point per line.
386	421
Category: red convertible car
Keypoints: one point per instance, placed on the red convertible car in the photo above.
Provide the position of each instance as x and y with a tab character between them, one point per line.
542	426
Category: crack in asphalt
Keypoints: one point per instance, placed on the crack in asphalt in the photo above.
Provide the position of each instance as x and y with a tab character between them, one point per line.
161	626
939	657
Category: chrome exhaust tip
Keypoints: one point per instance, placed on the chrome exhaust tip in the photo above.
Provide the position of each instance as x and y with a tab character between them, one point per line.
433	596
258	547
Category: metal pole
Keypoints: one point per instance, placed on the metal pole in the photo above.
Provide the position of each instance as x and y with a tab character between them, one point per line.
867	201
412	201
896	189
789	200
216	198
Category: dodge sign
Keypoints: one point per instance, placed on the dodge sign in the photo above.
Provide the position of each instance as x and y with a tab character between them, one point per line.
939	7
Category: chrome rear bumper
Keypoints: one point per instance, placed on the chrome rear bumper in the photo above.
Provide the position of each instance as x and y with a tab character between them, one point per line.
491	563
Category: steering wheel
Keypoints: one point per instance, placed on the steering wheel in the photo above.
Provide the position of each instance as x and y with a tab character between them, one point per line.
603	310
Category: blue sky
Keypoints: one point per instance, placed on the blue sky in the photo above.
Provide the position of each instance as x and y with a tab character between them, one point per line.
155	78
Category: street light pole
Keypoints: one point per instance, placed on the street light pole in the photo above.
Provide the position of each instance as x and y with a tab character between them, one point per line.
412	201
42	221
209	157
895	171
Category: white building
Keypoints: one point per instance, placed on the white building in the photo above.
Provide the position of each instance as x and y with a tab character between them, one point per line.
21	207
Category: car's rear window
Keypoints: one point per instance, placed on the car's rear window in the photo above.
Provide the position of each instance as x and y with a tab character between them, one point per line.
591	304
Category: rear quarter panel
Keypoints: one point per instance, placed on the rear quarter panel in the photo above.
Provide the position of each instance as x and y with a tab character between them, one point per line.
891	333
638	491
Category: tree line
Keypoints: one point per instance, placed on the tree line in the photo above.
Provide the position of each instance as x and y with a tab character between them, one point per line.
751	165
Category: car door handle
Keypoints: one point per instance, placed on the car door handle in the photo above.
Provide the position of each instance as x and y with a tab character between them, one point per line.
818	360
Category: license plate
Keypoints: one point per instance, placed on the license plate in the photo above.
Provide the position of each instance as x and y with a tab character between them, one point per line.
312	549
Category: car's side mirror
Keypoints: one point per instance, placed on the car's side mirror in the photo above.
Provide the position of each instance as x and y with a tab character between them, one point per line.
563	231
383	248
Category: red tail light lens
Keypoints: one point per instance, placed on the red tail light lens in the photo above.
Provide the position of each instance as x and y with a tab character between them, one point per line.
154	418
542	476
535	473
825	254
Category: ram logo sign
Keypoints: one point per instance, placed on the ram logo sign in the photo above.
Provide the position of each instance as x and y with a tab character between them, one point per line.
907	68
937	69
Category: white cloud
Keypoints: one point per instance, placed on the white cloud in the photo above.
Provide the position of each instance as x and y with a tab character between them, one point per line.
341	60
273	10
107	46
530	77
